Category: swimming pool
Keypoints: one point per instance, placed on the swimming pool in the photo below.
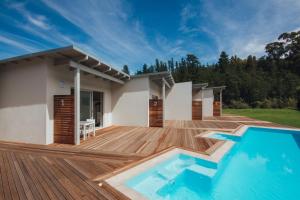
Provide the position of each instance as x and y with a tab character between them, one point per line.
264	164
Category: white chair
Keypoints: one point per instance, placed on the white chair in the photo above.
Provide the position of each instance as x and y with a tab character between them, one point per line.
91	127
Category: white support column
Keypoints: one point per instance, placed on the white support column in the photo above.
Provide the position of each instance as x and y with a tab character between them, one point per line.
221	103
164	100
77	105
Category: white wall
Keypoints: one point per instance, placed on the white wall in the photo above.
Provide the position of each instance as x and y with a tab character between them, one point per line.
23	102
179	102
207	101
61	80
155	89
130	102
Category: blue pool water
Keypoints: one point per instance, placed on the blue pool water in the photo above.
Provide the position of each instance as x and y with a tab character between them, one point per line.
263	165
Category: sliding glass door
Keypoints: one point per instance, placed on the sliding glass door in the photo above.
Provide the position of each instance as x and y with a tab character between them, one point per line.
97	108
85	105
91	106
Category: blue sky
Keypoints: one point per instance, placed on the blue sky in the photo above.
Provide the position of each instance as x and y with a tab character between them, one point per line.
134	32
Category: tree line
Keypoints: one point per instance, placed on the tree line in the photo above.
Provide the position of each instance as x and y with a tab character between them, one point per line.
271	81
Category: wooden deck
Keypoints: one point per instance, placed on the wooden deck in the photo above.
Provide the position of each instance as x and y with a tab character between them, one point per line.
202	125
144	141
43	172
68	172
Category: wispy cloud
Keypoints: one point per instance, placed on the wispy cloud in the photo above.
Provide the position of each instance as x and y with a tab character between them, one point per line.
116	32
35	19
107	29
39	21
243	27
115	37
13	42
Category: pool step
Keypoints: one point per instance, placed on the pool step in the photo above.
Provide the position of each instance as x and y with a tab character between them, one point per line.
168	174
209	172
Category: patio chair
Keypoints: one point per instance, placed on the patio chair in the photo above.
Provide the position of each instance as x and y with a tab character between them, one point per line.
91	127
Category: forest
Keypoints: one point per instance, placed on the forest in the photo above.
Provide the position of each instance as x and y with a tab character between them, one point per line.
270	81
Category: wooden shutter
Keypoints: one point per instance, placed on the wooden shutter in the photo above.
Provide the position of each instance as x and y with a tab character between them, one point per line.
156	113
217	108
197	110
64	119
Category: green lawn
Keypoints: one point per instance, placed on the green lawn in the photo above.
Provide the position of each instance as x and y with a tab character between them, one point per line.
280	116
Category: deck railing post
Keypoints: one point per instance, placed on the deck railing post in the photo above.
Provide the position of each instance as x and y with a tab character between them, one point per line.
77	105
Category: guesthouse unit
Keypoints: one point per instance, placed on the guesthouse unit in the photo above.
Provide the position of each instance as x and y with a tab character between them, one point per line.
46	96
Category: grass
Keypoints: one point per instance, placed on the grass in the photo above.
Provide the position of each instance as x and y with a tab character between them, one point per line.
280	116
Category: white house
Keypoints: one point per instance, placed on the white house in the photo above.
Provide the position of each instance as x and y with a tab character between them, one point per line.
45	95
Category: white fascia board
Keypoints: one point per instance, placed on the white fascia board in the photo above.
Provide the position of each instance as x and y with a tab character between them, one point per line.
94	72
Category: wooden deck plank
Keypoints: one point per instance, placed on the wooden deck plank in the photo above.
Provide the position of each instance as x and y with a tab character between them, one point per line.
55	184
23	182
16	178
6	190
29	180
31	176
12	187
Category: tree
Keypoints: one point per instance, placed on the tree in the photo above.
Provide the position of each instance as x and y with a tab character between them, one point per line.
268	81
126	69
275	50
145	68
223	62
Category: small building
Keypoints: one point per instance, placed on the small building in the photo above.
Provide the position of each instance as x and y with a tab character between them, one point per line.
45	96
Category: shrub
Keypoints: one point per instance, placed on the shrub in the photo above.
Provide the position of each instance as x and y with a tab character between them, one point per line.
238	104
266	103
291	103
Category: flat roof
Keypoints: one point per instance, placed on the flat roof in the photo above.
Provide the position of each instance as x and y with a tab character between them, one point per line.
73	53
158	76
199	85
215	88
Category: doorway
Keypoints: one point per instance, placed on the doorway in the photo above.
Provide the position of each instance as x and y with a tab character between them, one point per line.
91	106
156	113
97	108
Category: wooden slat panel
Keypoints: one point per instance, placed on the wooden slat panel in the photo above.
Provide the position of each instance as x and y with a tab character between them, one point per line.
217	108
197	110
156	113
64	119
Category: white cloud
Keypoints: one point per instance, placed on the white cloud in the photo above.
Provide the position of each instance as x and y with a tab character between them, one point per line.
113	36
112	32
39	21
244	27
35	19
17	44
109	34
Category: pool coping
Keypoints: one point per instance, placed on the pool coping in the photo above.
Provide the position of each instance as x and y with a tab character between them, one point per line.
242	129
118	180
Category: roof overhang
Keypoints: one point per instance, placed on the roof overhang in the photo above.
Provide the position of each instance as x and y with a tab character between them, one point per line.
215	88
74	57
159	78
199	86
